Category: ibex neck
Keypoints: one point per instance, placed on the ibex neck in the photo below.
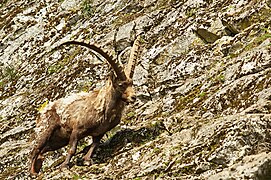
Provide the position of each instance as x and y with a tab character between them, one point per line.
107	97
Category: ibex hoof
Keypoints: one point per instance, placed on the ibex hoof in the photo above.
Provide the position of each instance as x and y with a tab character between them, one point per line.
33	173
35	167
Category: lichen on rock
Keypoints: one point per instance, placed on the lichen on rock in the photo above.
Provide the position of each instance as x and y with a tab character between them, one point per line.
202	80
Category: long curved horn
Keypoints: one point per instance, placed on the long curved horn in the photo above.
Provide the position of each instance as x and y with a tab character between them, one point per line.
130	68
114	63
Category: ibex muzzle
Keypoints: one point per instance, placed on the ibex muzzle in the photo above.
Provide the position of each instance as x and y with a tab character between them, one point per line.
128	94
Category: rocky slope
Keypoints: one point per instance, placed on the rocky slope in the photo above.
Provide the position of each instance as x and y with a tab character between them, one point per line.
203	85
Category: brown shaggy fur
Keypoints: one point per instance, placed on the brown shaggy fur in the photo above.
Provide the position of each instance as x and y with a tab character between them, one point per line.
67	120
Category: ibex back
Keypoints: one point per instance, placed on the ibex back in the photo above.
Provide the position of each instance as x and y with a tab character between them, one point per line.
67	120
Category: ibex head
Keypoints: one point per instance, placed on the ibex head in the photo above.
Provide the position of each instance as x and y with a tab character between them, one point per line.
126	89
125	86
122	80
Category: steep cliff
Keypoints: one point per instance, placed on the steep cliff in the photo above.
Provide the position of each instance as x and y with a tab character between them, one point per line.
203	82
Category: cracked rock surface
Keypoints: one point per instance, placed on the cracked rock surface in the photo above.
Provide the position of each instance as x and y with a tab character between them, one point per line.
203	82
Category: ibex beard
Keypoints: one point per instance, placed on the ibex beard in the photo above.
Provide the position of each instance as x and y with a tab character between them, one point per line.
67	120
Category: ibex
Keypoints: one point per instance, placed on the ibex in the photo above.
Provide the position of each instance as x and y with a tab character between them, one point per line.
67	120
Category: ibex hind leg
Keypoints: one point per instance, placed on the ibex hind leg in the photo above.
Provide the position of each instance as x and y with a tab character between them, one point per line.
87	157
36	155
73	145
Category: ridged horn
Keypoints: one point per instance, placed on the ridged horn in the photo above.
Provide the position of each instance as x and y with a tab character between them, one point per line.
114	63
130	68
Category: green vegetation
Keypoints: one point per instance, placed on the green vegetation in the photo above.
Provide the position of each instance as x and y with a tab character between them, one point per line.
258	40
60	65
111	133
190	12
87	7
184	101
54	68
230	7
1	84
85	86
256	37
9	72
43	105
76	177
157	150
131	114
202	94
219	79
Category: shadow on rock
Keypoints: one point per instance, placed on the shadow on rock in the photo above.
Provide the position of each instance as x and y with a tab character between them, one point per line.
123	141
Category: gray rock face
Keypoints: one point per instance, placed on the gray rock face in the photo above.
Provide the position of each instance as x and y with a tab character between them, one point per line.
250	167
203	81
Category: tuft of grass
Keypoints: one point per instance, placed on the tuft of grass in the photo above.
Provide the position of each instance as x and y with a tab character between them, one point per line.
190	12
87	7
221	78
76	177
54	68
202	94
131	114
10	72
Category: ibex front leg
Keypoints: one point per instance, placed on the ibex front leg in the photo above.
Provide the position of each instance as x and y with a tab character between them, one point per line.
73	145
36	155
87	157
